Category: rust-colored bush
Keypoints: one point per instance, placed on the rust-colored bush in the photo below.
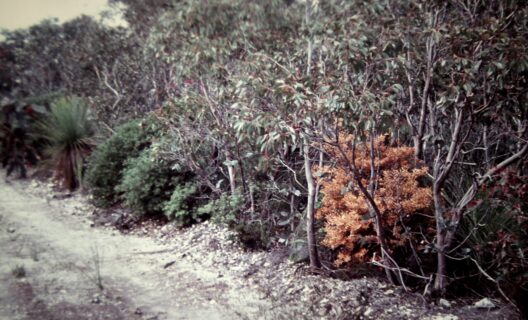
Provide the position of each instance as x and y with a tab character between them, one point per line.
398	194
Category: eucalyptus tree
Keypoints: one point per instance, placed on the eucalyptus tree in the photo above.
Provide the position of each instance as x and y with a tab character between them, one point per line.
454	71
465	72
208	52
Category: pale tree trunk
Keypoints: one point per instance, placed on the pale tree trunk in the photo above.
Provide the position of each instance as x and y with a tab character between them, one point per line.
418	138
441	170
321	160
231	173
307	18
310	208
440	279
418	129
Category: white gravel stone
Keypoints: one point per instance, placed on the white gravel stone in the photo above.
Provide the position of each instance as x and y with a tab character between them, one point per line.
444	303
484	303
368	312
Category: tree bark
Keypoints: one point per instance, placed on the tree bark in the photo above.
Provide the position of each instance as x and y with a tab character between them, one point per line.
231	173
310	208
441	171
440	278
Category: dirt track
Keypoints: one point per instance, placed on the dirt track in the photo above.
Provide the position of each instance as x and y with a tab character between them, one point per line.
58	253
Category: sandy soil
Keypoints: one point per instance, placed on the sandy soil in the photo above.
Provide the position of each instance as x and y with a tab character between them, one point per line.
59	254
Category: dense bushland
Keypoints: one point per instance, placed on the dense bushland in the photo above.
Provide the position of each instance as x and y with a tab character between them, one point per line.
18	146
494	236
254	96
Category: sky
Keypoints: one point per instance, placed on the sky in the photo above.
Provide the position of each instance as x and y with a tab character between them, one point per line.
15	14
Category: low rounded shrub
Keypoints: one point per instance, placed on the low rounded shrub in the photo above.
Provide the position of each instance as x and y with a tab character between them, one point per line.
181	205
108	160
225	210
147	183
228	210
154	184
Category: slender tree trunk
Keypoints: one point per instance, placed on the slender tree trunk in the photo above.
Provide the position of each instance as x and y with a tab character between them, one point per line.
251	199
486	147
307	20
374	210
418	131
441	170
231	173
417	139
310	208
321	161
292	212
440	278
241	168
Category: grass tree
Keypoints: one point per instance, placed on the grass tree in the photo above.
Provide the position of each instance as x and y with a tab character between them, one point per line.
68	132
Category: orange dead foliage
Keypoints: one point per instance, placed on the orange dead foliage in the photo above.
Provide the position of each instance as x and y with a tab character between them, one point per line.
399	195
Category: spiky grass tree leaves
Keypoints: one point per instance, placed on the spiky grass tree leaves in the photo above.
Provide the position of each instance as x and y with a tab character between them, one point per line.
68	132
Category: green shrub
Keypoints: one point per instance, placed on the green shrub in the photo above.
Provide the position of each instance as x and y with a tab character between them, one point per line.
181	206
147	183
68	132
224	210
228	210
107	162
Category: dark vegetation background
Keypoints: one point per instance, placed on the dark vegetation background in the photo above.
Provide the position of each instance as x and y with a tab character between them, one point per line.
230	109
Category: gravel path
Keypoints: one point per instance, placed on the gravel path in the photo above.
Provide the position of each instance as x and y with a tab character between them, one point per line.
59	252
